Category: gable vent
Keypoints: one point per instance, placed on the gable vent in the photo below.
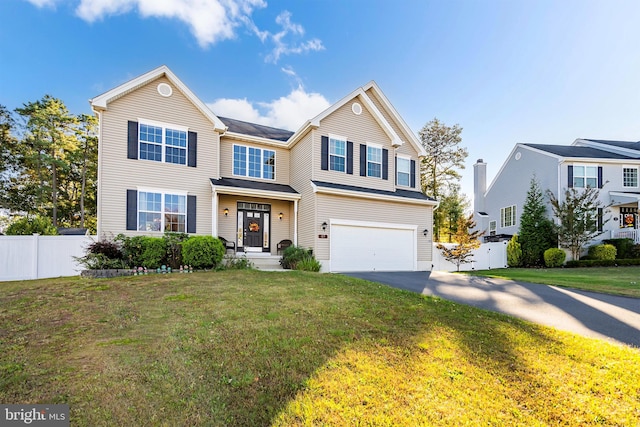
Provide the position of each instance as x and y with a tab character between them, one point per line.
165	90
356	108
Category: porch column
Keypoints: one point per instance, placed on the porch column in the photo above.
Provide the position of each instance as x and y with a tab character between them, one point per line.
295	222
214	214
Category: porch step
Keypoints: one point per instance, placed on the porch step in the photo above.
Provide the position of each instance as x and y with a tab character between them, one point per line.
260	261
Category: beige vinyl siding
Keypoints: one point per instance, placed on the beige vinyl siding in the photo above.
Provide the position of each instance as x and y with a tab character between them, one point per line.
301	160
280	229
359	130
357	209
226	160
117	173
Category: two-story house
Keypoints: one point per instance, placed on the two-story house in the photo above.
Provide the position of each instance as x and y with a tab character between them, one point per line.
611	166
345	184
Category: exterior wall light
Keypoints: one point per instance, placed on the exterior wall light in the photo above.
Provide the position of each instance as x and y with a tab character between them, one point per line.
425	232
226	211
280	215
324	226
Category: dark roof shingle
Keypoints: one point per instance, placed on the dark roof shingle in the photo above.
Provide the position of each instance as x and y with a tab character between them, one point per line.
574	151
407	194
254	185
253	129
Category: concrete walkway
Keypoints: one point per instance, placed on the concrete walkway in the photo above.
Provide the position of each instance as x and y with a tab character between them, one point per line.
608	317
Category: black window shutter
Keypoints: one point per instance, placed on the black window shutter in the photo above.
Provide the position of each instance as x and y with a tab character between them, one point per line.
600	212
132	209
132	140
363	160
600	183
324	153
396	169
570	174
385	163
191	214
193	149
413	174
350	157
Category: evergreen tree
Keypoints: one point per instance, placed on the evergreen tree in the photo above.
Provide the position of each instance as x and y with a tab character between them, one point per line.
452	206
536	233
466	242
440	166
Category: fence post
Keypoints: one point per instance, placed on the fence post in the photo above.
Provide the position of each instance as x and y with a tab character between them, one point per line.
34	258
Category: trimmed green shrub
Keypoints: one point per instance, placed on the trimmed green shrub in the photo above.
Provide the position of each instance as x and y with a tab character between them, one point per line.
602	252
28	225
624	247
143	251
202	251
308	264
173	243
554	257
603	263
293	255
514	252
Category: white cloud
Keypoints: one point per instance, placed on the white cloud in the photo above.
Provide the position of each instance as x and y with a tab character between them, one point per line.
287	112
43	3
209	20
283	47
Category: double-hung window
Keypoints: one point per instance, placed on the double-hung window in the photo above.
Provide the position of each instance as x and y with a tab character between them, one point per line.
162	143
585	176
404	171
254	162
337	153
630	176
374	160
508	216
158	211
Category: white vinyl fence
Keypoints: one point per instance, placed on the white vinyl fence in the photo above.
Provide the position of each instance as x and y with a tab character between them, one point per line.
488	256
39	257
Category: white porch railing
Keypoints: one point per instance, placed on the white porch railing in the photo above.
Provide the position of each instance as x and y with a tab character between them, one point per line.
627	234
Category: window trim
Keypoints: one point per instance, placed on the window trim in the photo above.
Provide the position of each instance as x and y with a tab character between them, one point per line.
585	176
343	140
503	212
408	173
493	227
377	147
247	161
163	144
163	193
637	176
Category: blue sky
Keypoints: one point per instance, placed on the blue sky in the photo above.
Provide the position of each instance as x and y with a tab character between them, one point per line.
507	71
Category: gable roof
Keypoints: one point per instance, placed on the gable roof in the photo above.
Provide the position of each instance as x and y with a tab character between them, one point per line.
396	140
253	129
101	102
629	145
577	151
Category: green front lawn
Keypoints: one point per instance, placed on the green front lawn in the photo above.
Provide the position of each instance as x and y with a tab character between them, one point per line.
253	348
610	280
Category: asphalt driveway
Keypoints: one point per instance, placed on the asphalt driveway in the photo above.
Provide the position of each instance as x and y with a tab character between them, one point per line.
608	317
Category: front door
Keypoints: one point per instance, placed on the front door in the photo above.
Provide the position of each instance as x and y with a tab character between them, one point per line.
253	230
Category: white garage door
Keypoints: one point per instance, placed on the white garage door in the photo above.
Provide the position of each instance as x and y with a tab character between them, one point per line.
372	248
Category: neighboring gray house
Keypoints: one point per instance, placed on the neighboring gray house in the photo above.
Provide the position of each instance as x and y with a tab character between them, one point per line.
586	162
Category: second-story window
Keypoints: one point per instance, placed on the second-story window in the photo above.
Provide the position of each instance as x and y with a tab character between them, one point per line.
374	161
163	143
629	176
254	162
404	171
337	154
585	176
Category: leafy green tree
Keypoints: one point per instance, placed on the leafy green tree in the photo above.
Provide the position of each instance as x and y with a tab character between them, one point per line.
466	242
441	164
579	215
28	225
451	208
536	233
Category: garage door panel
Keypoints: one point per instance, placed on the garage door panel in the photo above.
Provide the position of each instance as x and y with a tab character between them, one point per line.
369	248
